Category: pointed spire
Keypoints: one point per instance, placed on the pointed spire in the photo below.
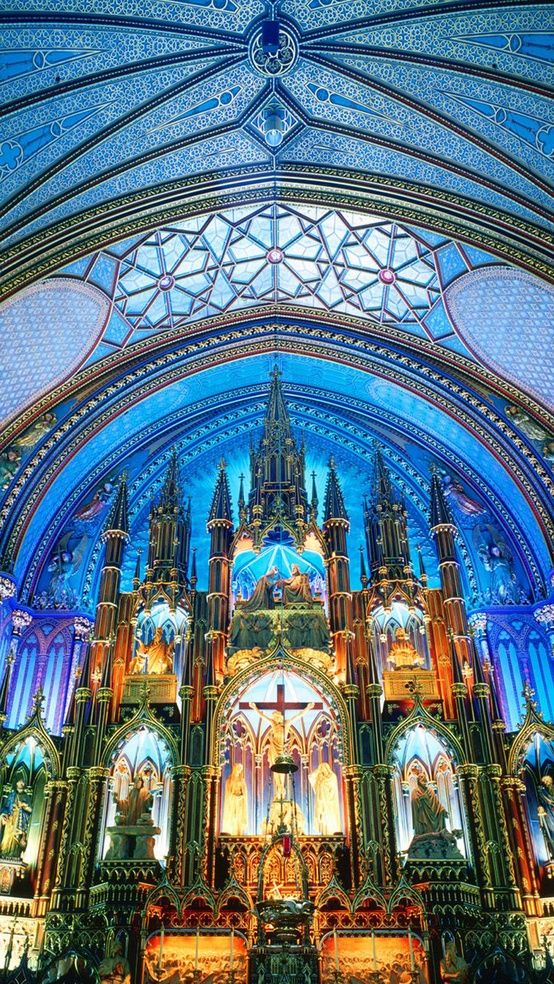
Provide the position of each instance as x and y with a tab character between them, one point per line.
363	571
334	500
314	505
276	416
241	499
118	520
221	502
171	490
422	571
193	572
382	486
5	685
440	512
136	578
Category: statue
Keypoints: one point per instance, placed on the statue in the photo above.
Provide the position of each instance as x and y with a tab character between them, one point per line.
296	588
36	431
284	812
327	817
402	655
497	560
250	630
235	803
138	804
453	967
455	490
278	741
527	424
115	969
10	460
262	596
428	813
15	817
154	658
545	811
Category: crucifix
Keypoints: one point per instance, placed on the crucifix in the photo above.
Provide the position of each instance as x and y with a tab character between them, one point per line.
278	739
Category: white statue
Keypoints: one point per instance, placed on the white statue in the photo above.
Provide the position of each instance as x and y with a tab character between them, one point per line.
235	804
327	817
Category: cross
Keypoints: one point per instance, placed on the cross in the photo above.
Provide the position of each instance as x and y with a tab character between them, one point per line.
281	704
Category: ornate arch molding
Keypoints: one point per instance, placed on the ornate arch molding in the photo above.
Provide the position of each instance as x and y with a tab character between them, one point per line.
533	724
356	351
277	661
507	236
143	718
34	728
419	715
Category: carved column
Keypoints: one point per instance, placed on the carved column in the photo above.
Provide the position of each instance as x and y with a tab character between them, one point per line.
51	834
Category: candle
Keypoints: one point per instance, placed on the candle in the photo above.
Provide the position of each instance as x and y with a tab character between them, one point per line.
232	951
196	949
374	950
337	967
161	950
412	961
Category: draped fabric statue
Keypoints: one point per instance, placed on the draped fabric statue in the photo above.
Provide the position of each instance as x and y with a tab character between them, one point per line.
139	802
327	817
545	812
154	658
262	596
296	588
428	813
15	817
235	803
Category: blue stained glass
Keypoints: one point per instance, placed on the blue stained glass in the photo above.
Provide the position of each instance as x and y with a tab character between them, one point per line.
451	263
437	321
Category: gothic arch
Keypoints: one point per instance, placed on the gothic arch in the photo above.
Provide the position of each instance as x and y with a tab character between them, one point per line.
276	661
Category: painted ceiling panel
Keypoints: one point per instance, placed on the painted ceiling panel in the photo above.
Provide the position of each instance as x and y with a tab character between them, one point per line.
42	340
400	91
505	317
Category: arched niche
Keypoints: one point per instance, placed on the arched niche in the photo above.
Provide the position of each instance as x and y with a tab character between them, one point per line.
26	769
419	751
247	746
141	755
173	626
537	772
278	551
385	624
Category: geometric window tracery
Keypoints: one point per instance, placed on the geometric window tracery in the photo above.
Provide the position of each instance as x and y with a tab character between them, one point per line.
324	259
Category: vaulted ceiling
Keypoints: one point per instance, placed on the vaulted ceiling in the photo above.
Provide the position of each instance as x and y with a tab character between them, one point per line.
370	201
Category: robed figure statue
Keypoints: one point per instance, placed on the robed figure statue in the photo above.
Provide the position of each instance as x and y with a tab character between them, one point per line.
428	814
235	803
261	598
296	588
138	803
154	658
545	812
327	819
15	817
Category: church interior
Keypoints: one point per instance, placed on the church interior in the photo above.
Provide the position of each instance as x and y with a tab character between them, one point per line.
276	484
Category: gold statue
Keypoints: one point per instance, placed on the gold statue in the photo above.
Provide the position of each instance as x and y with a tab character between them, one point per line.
402	655
154	658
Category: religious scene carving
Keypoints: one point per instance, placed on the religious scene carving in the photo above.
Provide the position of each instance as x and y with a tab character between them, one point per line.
274	775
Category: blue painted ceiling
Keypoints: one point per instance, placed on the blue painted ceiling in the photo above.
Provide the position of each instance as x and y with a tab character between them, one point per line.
371	204
115	109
